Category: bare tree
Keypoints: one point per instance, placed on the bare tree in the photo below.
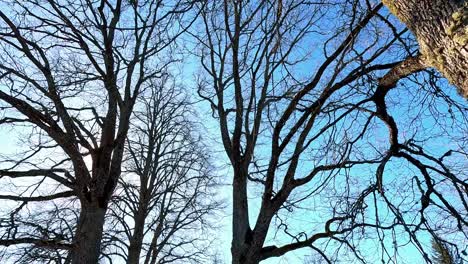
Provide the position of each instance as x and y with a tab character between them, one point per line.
166	195
46	235
441	30
303	92
71	72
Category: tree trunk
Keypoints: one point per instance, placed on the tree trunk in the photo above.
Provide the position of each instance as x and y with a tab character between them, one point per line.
245	255
246	261
241	232
136	241
441	29
244	250
88	234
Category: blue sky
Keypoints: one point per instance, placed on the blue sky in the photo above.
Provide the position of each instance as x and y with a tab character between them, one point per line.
415	116
402	107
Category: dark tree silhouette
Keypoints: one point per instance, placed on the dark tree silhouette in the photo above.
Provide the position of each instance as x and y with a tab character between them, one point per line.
338	131
71	73
311	118
168	185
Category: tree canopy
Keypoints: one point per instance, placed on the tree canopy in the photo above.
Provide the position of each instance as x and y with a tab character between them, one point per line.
336	131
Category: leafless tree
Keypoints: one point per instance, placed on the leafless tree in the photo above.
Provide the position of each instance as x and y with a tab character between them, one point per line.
71	73
312	121
55	224
164	205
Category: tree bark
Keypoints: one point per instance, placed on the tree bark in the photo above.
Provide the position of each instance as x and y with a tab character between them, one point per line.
441	29
87	241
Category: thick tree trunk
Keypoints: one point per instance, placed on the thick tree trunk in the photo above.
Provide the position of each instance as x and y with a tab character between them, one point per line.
247	244
136	241
246	261
245	255
241	250
88	234
441	28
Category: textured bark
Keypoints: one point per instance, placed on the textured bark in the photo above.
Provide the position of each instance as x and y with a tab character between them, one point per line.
88	236
441	28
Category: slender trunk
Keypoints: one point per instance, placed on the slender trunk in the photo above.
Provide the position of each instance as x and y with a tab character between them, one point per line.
153	251
136	240
441	28
88	234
